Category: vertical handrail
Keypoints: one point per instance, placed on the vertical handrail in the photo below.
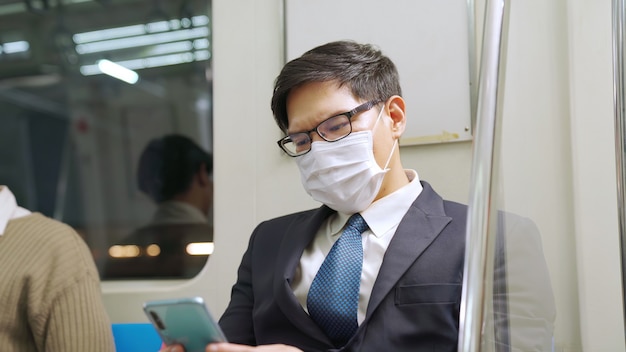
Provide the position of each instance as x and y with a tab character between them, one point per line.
620	129
479	240
471	27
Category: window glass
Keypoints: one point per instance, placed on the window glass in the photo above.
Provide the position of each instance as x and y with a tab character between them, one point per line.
107	126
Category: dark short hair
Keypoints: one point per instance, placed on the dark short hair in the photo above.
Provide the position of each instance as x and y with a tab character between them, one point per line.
368	73
167	165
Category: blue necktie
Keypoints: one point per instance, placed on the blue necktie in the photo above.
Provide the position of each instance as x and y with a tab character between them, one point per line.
333	298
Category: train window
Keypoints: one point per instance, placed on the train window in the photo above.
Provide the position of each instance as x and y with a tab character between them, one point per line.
106	115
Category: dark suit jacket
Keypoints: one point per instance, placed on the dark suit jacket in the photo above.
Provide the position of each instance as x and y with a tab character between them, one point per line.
414	304
415	301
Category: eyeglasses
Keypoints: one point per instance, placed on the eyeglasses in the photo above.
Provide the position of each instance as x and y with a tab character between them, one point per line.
332	129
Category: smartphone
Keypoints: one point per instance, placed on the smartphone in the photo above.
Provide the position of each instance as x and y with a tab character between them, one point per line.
184	321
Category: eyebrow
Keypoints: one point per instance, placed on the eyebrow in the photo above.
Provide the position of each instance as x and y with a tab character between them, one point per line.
339	112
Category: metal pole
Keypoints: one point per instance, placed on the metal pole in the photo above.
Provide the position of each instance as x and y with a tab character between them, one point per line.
471	8
479	240
620	132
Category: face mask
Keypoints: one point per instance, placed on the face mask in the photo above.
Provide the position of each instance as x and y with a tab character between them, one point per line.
343	175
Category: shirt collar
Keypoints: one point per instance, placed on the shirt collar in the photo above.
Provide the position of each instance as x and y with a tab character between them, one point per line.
388	211
9	208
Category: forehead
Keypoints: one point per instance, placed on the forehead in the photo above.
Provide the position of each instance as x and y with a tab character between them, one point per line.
314	102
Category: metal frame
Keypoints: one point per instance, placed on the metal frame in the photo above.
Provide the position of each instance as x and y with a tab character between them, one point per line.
471	30
480	240
620	129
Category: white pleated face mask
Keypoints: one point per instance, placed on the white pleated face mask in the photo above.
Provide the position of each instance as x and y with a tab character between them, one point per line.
344	174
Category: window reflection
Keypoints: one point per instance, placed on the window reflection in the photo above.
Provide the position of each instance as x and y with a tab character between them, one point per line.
75	126
521	310
176	174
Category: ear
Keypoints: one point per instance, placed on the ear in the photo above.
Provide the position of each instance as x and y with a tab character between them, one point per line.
396	108
202	175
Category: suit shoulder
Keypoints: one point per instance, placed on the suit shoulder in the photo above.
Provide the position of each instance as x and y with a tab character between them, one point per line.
454	206
291	217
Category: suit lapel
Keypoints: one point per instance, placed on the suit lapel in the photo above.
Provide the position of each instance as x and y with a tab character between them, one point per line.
426	214
299	235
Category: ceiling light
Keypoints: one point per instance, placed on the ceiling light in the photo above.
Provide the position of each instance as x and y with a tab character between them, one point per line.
201	43
118	32
118	71
15	47
200	248
138	29
142	40
170	48
150	62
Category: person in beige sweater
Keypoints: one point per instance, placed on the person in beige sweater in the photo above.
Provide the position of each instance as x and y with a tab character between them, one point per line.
50	297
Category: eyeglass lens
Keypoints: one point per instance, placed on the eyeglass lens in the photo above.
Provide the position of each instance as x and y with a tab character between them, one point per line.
331	130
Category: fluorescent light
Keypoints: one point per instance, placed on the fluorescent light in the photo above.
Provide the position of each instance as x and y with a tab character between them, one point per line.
200	248
200	20
124	251
175	24
158	61
138	29
202	55
201	43
90	70
150	62
185	22
15	47
160	26
170	48
166	60
142	40
110	33
153	250
118	71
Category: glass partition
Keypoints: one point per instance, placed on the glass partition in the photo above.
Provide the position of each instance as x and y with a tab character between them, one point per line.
107	126
520	281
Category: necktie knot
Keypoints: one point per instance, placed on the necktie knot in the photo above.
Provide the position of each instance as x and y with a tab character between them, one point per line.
357	223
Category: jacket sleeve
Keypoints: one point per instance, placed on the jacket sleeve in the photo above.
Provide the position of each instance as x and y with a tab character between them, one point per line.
236	322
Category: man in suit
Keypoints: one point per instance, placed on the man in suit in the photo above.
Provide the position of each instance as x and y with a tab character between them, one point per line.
341	108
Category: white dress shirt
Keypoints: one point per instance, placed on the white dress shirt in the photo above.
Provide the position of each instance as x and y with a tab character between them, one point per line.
8	208
383	217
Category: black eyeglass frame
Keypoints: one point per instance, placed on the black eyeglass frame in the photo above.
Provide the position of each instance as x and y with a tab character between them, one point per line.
349	114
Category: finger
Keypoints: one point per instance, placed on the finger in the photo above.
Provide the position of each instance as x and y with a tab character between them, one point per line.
173	348
227	347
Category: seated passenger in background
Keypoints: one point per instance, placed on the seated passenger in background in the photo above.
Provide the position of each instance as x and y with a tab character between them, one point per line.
50	297
177	175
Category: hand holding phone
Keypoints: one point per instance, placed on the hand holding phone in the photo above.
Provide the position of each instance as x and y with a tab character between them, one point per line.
184	321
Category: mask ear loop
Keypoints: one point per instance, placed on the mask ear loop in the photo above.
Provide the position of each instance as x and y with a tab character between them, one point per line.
378	118
395	143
